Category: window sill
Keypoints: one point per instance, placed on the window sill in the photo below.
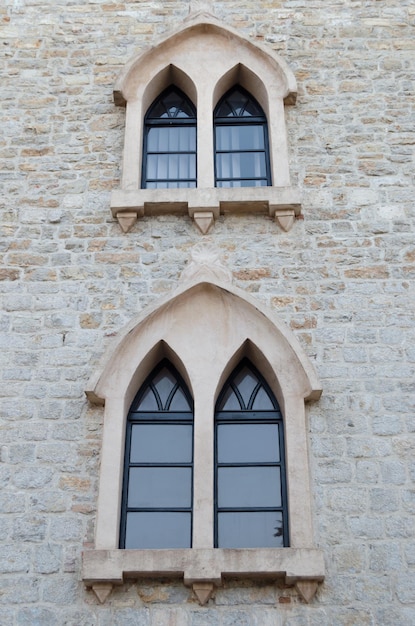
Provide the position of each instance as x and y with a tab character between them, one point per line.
202	569
205	205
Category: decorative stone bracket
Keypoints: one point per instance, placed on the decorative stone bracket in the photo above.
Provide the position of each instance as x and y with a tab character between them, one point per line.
204	569
205	205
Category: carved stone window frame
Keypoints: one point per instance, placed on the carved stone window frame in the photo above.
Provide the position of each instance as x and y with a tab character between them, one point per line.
205	59
227	325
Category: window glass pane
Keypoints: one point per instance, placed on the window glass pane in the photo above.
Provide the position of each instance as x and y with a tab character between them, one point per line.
241	165
179	401
158	530
157	165
242	183
173	166
235	137
229	401
187	138
223	137
252	164
246	383
164	383
172	139
249	487
248	443
262	401
159	487
238	103
171	105
148	402
250	530
161	443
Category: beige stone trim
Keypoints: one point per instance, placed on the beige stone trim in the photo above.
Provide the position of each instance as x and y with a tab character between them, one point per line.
205	58
226	324
283	203
203	569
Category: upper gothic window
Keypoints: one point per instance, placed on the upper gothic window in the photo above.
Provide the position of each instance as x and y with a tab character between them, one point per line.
241	141
233	161
169	151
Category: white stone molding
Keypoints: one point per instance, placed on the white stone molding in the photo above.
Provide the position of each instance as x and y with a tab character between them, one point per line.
205	58
226	324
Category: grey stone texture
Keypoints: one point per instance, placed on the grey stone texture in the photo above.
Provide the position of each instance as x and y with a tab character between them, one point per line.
342	279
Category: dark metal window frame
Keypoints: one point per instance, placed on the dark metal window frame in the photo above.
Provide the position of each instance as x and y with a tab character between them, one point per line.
242	121
168	122
161	417
250	416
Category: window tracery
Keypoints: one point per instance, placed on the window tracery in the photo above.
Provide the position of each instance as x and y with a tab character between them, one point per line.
164	332
204	79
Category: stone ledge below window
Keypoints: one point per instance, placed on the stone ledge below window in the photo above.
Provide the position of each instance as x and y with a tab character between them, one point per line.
205	205
203	569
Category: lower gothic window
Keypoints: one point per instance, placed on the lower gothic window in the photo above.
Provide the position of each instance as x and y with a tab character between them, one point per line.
200	480
158	471
250	493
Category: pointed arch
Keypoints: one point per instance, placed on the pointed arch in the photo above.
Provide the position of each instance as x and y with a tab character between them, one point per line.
250	484
158	464
199	58
226	325
194	35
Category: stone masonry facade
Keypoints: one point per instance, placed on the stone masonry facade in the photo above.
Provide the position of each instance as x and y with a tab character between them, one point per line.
342	279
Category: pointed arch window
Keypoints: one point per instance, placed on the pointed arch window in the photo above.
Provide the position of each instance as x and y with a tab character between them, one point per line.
169	150
250	485
241	141
158	471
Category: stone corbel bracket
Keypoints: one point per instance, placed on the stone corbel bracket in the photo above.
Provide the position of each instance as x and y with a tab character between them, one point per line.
204	569
205	205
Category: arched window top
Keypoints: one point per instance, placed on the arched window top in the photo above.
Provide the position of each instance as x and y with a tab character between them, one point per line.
163	391
157	501
249	169
289	379
237	103
245	390
172	104
251	508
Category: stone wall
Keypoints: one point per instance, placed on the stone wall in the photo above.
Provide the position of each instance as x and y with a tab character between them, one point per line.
342	279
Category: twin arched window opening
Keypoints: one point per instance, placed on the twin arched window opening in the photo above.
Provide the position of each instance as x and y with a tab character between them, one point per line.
250	486
240	142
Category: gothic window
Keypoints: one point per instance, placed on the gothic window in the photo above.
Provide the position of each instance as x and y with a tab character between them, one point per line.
186	481
250	491
241	141
158	471
169	150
